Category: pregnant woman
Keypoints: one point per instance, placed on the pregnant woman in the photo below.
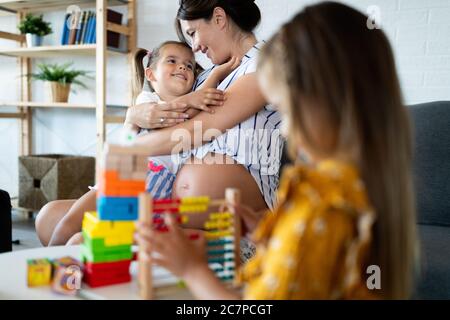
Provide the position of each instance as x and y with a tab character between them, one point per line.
247	154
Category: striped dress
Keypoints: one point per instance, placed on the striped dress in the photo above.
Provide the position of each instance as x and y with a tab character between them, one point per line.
255	143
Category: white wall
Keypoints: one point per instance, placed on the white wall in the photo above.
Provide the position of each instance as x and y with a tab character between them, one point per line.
419	31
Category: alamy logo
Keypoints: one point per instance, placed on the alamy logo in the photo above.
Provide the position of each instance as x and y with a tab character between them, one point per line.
260	148
75	12
374	280
74	275
374	19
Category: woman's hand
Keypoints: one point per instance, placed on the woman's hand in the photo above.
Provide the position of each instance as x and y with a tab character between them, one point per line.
204	99
176	251
156	115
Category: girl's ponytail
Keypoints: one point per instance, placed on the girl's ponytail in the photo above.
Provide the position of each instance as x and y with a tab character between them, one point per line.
139	72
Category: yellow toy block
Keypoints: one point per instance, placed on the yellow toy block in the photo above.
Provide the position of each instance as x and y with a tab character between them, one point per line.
39	272
96	228
197	208
195	200
221	224
118	240
220	215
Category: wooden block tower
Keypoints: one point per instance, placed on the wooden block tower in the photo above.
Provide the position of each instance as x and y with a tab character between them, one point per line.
108	233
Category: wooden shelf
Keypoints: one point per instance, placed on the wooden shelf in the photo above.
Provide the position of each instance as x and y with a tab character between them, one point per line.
55	51
34	104
40	5
115	119
24	108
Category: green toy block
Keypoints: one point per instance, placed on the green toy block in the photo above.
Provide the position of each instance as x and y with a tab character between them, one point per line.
97	257
97	245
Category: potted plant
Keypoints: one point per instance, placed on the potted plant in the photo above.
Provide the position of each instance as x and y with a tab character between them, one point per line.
34	28
58	80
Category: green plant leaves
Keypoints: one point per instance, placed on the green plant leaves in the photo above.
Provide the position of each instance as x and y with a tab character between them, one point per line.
60	73
35	25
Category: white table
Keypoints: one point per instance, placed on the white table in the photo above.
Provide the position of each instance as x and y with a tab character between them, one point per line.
13	279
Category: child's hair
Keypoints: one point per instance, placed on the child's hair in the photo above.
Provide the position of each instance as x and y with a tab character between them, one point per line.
148	59
339	78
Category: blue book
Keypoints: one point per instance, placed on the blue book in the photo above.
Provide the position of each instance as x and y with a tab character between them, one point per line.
93	38
65	32
89	29
86	28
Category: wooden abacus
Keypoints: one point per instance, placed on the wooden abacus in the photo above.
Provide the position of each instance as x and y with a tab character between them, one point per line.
223	230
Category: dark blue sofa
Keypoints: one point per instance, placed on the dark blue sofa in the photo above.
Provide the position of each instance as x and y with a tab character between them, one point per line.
432	182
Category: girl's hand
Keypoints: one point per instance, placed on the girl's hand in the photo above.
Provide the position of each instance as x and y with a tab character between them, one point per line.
149	115
203	99
175	251
222	71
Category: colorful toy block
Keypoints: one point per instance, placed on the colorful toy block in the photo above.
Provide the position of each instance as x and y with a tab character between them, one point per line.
98	268
39	272
100	281
109	256
114	209
110	184
68	273
99	245
97	228
100	274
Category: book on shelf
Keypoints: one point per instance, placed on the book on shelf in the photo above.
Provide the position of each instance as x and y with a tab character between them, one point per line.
86	26
92	38
74	25
82	28
65	32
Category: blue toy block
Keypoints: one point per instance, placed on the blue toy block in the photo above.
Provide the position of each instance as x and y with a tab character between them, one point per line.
117	208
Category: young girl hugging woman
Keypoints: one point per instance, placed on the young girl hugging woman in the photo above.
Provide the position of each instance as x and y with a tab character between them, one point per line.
167	74
348	212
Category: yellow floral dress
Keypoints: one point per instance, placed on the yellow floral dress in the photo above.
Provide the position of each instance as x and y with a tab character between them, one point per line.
315	244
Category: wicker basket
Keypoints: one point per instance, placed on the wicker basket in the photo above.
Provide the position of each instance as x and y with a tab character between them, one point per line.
44	178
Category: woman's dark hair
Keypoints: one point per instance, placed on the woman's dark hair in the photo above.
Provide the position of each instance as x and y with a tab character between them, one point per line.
244	13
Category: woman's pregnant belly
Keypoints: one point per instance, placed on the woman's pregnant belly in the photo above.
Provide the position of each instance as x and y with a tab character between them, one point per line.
205	179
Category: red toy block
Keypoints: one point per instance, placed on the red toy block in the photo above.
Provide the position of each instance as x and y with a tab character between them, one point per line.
95	282
103	274
166	201
107	274
107	266
169	210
